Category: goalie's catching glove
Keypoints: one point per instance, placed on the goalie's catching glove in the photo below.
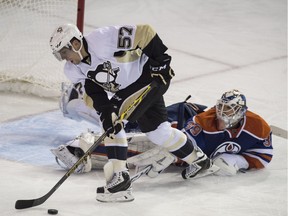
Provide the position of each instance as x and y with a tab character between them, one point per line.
161	70
110	121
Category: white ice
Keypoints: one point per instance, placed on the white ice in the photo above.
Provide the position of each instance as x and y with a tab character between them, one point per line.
216	45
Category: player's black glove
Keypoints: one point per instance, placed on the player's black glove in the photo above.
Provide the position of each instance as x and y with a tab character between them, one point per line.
110	121
161	70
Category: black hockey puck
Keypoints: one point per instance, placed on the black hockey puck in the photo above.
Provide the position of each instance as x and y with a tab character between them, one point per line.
52	211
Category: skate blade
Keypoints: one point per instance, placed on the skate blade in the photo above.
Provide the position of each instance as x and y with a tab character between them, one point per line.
207	172
122	196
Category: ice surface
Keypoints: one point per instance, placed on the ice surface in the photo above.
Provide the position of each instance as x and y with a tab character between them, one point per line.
216	45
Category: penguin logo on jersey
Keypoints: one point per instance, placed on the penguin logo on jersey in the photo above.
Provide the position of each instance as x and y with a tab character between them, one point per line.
105	76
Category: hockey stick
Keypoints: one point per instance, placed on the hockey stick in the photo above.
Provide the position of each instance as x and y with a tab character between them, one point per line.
277	131
22	204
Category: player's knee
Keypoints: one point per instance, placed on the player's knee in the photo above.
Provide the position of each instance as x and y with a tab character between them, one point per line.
162	134
167	137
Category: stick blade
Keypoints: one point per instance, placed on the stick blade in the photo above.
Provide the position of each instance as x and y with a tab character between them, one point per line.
279	131
22	204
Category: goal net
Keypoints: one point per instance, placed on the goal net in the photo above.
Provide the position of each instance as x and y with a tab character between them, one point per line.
27	64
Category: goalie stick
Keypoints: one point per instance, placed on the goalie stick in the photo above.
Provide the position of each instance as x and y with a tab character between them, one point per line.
277	131
23	204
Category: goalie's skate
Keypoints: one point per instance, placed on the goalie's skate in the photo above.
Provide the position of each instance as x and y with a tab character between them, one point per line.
117	190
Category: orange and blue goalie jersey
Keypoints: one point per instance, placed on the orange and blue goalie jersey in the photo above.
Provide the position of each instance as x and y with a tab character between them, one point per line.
252	140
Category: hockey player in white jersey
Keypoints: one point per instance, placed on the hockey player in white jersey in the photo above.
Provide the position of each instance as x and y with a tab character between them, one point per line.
124	60
72	106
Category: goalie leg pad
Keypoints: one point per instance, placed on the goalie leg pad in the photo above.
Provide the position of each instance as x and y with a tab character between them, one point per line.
137	143
158	157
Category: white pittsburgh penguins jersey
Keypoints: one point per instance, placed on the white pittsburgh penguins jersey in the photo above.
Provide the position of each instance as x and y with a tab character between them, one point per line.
115	61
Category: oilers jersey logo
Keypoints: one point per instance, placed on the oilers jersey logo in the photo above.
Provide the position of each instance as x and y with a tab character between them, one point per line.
268	142
193	128
226	147
105	76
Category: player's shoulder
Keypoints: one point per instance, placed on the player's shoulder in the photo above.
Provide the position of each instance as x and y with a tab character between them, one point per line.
98	33
104	30
256	125
73	73
68	67
207	120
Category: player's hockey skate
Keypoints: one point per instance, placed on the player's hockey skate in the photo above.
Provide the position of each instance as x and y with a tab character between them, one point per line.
117	190
200	165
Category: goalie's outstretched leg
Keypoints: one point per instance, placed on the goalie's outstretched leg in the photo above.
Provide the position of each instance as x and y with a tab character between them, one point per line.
177	143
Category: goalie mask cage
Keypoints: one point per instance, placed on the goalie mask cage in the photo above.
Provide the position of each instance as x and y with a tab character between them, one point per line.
27	63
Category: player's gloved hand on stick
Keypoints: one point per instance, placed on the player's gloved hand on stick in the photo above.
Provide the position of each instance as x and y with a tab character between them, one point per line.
111	124
161	70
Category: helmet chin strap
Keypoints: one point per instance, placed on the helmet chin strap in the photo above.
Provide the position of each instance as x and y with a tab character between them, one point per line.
78	51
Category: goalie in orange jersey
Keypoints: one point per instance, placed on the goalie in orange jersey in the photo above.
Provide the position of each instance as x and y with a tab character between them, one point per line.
234	138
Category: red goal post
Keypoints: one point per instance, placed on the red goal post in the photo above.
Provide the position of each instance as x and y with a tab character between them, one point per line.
80	15
27	64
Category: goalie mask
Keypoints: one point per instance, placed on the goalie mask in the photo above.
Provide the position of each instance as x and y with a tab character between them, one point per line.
230	109
61	38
